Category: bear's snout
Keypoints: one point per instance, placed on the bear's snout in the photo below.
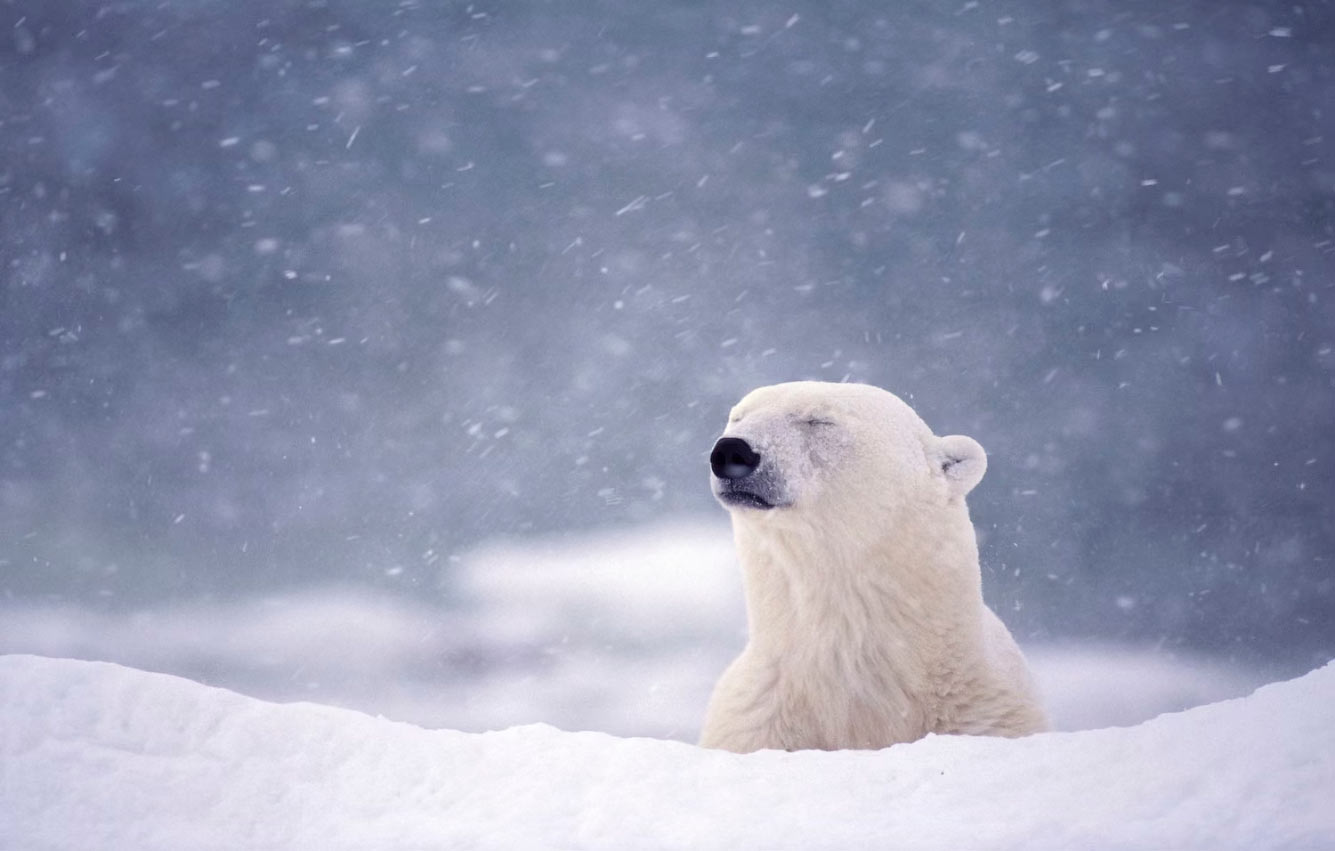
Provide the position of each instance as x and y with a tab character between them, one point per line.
733	458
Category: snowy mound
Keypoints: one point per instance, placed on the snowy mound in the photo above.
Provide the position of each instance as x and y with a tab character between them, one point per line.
96	755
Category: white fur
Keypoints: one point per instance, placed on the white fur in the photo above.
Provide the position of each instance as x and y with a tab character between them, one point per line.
866	619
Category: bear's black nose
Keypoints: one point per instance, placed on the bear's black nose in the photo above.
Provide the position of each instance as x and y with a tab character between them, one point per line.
733	458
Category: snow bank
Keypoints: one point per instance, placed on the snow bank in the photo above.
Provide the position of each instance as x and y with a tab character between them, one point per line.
95	755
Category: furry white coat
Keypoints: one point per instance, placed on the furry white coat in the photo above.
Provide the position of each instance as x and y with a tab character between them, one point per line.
866	621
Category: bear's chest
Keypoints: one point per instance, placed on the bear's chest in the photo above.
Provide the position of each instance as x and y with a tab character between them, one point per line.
842	701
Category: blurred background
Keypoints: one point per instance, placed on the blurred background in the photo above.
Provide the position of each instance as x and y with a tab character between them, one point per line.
337	319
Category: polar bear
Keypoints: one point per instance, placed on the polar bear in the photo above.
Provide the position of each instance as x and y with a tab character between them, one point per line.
865	614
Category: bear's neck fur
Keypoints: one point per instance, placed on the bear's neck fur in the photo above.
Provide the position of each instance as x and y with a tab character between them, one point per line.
859	645
822	574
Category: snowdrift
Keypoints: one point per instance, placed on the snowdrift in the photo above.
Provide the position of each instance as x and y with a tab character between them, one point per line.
96	755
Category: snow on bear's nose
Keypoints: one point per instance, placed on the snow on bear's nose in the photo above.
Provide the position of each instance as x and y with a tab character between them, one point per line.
733	458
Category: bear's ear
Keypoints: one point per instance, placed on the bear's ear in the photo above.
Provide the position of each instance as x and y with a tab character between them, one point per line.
962	462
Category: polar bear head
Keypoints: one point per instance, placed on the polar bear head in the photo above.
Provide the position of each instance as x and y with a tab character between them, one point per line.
812	450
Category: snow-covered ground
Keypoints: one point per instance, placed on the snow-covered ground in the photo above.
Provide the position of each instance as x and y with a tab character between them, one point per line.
620	633
95	755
